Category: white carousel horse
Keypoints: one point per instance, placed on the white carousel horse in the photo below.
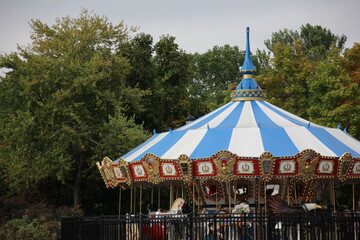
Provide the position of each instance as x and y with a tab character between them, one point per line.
176	207
159	220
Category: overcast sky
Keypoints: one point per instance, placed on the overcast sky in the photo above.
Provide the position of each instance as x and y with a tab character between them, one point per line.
198	25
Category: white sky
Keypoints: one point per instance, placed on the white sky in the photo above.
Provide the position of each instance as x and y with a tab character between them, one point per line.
198	25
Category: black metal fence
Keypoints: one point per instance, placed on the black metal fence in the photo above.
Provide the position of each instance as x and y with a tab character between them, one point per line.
324	226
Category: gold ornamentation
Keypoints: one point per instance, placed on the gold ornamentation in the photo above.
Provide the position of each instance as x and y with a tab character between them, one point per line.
267	163
357	169
205	168
185	166
344	166
107	172
287	167
306	167
168	170
139	172
248	76
151	165
117	172
224	162
125	170
326	167
246	167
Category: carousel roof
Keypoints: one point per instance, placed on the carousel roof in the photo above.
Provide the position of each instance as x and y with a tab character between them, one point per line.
247	126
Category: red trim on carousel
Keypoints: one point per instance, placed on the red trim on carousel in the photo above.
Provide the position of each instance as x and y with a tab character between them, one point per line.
132	166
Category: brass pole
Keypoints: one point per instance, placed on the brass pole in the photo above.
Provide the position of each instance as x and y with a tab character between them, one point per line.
229	196
119	201
234	190
152	195
119	212
176	192
193	200
265	196
258	195
199	198
140	202
333	193
131	200
171	195
295	191
354	197
287	190
135	200
159	198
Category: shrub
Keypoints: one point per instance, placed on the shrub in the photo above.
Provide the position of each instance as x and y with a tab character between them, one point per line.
27	229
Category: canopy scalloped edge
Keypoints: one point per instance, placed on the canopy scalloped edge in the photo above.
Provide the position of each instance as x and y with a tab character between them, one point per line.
225	166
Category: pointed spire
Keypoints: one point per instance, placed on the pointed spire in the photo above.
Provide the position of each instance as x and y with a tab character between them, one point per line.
248	66
248	89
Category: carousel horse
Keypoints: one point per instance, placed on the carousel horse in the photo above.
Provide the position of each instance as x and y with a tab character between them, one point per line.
132	230
284	214
160	218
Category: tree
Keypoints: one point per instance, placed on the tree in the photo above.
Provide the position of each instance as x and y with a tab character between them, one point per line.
334	97
314	40
286	80
56	102
308	76
170	102
213	72
351	64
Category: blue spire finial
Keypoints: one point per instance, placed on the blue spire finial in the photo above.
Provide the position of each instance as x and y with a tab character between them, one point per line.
248	66
248	89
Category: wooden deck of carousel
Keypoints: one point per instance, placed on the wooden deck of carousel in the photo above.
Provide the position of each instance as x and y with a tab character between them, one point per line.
327	226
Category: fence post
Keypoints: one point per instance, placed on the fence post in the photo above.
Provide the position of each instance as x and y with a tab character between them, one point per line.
76	228
101	227
191	226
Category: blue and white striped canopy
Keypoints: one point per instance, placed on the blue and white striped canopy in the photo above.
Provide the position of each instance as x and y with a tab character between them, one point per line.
248	129
247	126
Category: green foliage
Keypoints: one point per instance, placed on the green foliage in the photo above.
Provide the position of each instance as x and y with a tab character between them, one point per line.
334	98
59	94
21	220
119	136
213	72
85	89
171	102
309	76
286	81
26	229
314	40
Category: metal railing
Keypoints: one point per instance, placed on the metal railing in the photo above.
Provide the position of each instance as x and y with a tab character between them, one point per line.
325	226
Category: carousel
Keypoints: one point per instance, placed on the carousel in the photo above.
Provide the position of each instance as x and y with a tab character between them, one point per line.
242	152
